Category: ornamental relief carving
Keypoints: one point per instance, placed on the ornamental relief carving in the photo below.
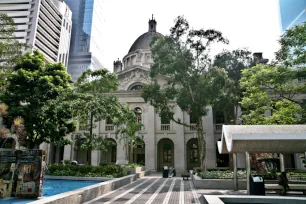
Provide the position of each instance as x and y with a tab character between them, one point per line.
134	76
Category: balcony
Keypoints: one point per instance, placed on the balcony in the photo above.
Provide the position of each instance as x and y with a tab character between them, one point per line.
193	127
218	128
165	127
109	127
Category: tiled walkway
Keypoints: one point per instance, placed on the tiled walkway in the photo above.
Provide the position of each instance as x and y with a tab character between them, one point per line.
152	189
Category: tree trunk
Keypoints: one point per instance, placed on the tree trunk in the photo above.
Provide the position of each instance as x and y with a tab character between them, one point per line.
90	140
131	154
201	144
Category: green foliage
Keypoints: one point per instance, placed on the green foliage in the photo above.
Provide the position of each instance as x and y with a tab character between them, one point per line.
110	171
293	47
233	62
29	94
272	89
10	49
130	134
182	58
132	165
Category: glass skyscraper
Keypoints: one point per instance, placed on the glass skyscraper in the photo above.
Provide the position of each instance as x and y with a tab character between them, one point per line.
85	50
292	12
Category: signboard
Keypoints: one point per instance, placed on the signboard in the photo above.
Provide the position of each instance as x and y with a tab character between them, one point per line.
20	173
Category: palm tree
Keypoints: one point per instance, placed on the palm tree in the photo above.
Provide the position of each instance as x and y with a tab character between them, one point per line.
131	136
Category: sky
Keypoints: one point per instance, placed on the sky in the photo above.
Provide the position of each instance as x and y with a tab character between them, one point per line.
253	24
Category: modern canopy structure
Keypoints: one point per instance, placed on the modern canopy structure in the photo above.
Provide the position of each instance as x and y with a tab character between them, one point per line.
261	139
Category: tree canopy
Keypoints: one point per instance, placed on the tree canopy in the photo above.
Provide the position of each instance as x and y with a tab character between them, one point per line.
10	49
30	87
233	62
183	59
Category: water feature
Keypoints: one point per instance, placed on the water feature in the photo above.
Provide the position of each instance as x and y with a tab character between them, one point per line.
52	187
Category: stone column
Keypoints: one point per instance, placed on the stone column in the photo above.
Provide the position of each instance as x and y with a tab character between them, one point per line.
95	158
150	143
179	143
67	150
248	170
121	153
210	140
281	162
235	171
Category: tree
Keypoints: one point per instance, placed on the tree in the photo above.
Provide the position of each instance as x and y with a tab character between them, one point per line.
272	89
183	58
10	49
30	88
131	136
293	47
91	101
233	62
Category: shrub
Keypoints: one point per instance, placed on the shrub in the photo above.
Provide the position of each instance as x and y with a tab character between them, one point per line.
110	171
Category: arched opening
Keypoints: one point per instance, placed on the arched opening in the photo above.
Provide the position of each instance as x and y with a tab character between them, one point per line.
222	159
109	155
136	87
193	160
139	152
57	155
80	155
165	153
138	113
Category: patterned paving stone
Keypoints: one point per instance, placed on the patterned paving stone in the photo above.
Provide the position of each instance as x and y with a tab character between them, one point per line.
151	190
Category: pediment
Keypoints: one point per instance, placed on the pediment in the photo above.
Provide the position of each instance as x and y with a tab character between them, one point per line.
137	75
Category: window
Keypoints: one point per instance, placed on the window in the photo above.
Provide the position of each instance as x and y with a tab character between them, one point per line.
193	119
164	120
194	156
109	121
167	153
138	113
137	87
114	154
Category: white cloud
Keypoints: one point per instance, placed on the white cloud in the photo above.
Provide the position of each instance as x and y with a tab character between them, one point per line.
246	23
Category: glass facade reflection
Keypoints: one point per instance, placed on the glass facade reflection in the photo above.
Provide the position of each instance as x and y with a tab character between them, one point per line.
292	12
86	41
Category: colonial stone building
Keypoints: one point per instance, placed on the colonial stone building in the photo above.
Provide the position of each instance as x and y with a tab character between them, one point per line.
166	143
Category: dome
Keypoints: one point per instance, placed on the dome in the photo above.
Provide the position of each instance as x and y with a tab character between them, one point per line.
143	41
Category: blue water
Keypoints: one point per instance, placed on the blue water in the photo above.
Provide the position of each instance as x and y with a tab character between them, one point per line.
52	187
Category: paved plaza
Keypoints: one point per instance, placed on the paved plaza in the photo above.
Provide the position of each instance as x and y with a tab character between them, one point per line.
152	189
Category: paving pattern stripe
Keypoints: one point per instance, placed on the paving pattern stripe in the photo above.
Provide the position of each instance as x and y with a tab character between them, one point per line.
182	201
194	193
156	192
141	192
169	192
175	195
115	191
162	194
126	192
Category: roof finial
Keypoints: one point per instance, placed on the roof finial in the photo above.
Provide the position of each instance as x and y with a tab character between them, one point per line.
152	16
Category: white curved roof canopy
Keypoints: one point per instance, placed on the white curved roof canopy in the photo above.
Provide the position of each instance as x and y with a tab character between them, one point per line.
263	139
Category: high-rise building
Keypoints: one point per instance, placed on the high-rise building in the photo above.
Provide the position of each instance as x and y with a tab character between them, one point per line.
42	24
292	12
85	49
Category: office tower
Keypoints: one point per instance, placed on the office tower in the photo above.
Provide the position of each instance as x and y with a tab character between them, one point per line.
292	12
85	49
42	24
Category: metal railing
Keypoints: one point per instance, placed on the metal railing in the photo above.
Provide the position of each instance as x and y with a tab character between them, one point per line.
165	127
109	127
193	127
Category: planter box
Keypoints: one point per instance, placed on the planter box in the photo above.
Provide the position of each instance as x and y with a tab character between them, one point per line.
217	183
227	183
134	170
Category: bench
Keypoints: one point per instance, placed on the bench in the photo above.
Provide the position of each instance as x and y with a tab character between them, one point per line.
293	187
185	175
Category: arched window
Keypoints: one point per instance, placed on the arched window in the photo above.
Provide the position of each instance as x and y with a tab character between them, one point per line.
136	87
138	113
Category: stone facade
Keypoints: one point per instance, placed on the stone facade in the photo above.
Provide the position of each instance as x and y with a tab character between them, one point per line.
165	144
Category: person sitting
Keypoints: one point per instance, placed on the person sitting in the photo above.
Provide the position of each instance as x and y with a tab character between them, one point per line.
283	181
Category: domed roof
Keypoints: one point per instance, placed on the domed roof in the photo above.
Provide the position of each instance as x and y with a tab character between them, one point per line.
143	41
